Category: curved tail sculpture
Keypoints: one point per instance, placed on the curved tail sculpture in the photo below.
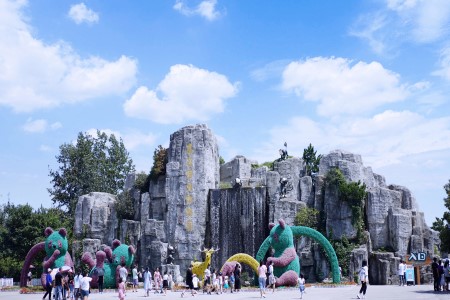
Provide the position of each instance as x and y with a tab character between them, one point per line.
244	258
285	260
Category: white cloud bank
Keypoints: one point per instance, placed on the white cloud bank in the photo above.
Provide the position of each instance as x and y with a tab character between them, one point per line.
37	75
80	13
341	86
186	93
206	9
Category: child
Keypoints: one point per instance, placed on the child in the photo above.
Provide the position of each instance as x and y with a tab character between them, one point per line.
225	284
195	282
220	277
231	282
165	285
301	285
121	289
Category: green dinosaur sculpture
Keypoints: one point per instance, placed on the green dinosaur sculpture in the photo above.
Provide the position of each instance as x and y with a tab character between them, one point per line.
285	260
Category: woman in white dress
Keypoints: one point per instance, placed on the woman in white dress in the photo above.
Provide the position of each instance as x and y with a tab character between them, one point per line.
147	281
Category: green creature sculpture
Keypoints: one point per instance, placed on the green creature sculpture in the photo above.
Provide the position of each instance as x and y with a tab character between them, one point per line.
285	260
55	246
110	261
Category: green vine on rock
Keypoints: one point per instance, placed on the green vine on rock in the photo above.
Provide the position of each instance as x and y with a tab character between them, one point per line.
354	193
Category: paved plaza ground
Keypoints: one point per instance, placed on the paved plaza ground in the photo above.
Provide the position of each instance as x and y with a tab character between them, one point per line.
320	293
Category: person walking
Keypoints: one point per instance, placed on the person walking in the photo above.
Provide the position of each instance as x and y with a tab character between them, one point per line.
207	281
157	278
121	289
77	284
195	283
189	280
123	273
446	274
262	270
58	285
165	283
70	277
441	275
401	273
301	285
135	276
271	277
147	276
363	278
101	276
48	284
85	286
232	281
434	268
237	278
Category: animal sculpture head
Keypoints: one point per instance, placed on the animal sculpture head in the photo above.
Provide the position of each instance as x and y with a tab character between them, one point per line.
281	236
209	253
56	240
122	253
56	245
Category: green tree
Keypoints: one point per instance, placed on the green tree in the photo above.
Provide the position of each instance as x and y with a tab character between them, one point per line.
311	160
142	182
21	228
125	206
93	164
159	162
442	224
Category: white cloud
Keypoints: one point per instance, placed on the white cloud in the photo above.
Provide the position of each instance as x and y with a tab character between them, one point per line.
186	93
444	64
40	126
79	13
368	27
428	20
132	139
343	87
382	140
37	75
270	70
206	9
399	21
35	126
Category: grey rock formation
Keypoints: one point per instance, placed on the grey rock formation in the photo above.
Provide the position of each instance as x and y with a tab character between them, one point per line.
239	167
96	218
379	201
193	161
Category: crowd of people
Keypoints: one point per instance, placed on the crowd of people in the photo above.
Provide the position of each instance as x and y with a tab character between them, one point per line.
67	285
441	274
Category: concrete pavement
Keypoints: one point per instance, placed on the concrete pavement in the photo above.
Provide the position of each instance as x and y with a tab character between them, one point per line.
389	292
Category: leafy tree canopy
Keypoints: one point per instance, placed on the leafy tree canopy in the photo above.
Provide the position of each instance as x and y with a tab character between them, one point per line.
311	160
92	164
21	228
441	224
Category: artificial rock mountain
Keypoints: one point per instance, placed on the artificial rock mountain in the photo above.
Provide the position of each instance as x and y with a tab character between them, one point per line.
185	208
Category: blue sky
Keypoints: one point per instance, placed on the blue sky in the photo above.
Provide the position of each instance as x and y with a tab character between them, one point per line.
369	77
